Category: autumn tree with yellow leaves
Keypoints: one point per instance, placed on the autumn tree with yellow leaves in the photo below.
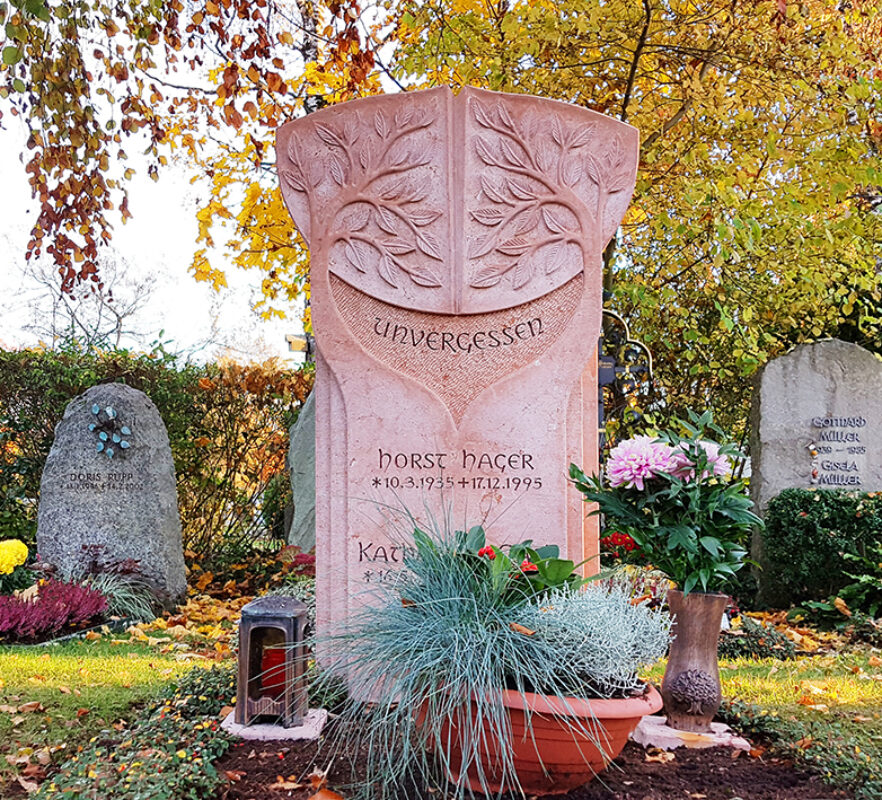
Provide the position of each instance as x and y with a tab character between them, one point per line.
756	219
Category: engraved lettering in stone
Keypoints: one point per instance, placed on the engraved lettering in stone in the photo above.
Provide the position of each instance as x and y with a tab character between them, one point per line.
372	553
464	342
411	460
839	422
839	466
839	436
496	461
836	479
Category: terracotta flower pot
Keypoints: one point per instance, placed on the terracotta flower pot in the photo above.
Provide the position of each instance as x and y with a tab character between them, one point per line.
550	757
691	686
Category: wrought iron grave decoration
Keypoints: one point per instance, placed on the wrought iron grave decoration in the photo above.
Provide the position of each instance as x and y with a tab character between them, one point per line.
113	437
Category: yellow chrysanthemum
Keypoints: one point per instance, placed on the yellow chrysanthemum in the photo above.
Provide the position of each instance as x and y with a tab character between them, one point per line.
13	553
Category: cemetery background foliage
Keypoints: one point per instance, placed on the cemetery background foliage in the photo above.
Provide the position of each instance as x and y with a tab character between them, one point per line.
755	222
227	424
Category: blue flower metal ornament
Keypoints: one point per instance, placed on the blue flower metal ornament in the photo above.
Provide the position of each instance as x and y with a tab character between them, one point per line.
113	437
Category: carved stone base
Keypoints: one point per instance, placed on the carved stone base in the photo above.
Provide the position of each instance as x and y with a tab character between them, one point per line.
691	686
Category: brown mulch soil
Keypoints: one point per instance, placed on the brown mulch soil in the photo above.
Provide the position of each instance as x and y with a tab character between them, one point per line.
258	770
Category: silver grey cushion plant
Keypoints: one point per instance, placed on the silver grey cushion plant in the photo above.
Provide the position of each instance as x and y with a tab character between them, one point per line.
463	620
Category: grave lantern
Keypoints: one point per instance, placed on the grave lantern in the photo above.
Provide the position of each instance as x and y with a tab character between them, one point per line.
272	662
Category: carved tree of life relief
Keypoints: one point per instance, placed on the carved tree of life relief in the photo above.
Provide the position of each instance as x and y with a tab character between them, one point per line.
457	239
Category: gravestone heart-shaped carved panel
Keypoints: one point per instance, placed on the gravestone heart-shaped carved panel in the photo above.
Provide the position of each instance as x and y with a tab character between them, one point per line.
457	357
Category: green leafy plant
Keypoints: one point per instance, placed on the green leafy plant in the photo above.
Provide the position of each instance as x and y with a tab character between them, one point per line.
814	538
168	753
461	620
672	494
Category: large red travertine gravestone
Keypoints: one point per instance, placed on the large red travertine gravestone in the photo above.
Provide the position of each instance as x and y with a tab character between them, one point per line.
456	246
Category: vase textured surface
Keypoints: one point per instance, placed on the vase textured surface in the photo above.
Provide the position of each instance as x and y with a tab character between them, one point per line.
551	749
691	685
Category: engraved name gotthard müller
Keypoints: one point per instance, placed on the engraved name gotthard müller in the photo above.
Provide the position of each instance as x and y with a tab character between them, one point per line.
455	267
93	508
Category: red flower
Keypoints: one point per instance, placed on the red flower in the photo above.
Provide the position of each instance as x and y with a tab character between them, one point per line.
528	566
487	551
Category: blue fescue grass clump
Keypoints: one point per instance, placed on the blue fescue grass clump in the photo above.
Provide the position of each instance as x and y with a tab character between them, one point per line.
465	620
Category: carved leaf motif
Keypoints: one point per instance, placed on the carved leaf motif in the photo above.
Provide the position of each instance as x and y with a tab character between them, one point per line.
554	256
423	275
337	173
387	221
545	156
294	179
593	168
329	136
403	116
526	221
398	247
395	190
482	245
493	192
400	153
520	189
489	216
429	244
515	246
505	117
554	219
381	126
364	157
523	271
572	172
556	132
514	154
485	153
386	268
421	218
357	216
583	135
489	275
481	115
359	254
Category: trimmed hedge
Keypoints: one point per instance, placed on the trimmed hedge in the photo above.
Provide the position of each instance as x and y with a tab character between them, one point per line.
227	425
807	533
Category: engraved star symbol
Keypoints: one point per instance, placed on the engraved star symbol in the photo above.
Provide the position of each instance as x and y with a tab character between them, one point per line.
375	482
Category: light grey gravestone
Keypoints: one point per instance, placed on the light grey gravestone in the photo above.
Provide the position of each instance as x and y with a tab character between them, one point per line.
816	423
108	492
301	465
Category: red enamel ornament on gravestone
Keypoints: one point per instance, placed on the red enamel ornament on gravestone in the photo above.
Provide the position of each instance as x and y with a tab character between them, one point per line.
456	246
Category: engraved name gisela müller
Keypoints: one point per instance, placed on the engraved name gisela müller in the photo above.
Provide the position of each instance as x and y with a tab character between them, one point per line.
837	451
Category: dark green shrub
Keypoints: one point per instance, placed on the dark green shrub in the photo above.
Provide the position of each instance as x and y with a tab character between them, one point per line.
808	535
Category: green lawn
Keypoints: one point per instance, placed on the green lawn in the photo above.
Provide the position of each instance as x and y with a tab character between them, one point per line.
53	699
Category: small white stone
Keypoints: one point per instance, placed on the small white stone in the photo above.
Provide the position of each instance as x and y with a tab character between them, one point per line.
310	729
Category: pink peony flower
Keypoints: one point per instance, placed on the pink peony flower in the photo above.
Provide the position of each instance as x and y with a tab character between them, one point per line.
636	460
717	463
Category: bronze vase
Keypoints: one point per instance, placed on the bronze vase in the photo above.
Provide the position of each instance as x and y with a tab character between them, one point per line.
691	686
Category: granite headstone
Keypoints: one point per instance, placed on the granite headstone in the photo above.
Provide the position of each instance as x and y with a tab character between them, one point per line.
456	258
108	492
816	423
301	467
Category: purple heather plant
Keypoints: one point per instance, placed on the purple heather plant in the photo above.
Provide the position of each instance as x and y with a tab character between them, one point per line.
57	606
